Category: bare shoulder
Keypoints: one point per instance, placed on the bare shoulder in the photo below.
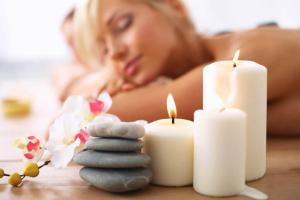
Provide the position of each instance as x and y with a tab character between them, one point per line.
265	44
276	49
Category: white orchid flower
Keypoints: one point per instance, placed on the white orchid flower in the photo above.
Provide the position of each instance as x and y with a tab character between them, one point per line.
31	147
68	134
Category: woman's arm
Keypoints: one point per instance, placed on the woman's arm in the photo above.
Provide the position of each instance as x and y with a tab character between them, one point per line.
149	102
86	84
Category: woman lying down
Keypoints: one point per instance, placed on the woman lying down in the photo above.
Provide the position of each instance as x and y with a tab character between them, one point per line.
129	45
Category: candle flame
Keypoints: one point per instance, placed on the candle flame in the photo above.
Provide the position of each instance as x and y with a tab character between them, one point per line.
236	57
171	106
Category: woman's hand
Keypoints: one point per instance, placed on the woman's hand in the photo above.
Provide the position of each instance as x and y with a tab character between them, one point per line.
116	83
113	82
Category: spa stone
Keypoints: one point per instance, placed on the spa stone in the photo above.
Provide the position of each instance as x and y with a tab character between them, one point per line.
114	144
117	180
129	130
98	159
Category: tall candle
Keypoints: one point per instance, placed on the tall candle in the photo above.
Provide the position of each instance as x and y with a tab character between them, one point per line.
219	152
169	143
242	85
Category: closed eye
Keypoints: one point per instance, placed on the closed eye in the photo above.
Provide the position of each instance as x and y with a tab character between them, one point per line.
122	23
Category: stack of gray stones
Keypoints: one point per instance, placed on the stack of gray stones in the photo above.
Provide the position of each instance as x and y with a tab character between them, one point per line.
113	160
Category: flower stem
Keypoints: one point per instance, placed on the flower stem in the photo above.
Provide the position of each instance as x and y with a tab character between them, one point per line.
45	163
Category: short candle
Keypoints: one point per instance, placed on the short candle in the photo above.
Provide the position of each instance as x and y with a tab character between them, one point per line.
169	143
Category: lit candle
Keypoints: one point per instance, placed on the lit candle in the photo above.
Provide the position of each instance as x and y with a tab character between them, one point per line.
219	152
169	143
243	85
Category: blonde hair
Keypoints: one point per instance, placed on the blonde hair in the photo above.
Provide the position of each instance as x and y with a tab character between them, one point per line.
86	29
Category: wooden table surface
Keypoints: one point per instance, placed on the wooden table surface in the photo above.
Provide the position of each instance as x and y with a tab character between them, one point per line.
282	180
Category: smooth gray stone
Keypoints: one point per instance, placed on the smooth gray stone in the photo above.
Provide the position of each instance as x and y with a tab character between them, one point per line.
114	144
117	180
90	158
129	130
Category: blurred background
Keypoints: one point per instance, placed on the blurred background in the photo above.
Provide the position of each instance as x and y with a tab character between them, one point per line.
31	40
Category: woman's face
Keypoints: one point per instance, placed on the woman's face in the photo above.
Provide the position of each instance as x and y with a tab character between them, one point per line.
135	39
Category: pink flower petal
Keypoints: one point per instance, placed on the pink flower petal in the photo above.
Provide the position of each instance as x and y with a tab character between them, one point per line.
83	136
28	156
96	106
33	146
31	137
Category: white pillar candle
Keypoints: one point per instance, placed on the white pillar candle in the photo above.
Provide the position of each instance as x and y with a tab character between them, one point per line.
219	152
244	87
170	146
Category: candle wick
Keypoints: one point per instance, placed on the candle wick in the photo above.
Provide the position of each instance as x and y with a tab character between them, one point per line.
173	120
234	64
